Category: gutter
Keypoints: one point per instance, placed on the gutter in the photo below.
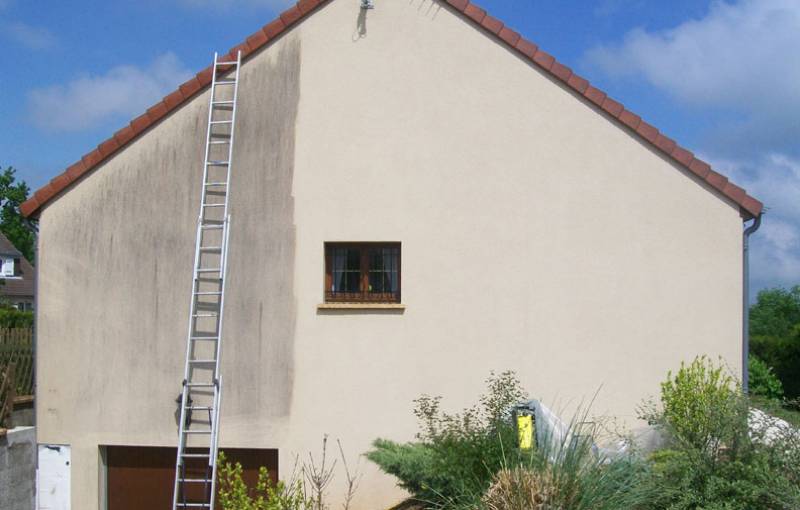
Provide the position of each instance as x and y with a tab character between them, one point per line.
746	302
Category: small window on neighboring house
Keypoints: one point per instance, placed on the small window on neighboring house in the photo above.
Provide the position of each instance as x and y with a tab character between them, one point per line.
362	272
7	268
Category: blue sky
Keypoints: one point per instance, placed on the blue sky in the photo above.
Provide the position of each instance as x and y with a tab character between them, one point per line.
721	77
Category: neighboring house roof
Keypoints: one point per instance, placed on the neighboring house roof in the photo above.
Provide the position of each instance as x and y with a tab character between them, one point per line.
749	206
24	281
7	248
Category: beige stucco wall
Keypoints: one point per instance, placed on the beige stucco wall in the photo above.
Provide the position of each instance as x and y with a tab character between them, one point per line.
536	234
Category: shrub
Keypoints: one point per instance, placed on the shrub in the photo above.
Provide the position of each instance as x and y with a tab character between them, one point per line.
716	460
775	331
470	460
520	489
457	454
10	317
698	405
234	494
763	381
782	353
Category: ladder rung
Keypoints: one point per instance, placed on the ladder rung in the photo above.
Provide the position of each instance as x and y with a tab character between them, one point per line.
193	505
196	455
218	142
213	205
226	82
231	63
205	315
194	480
218	163
199	408
197	432
205	337
209	270
211	227
200	385
202	361
210	248
217	183
215	293
213	122
215	103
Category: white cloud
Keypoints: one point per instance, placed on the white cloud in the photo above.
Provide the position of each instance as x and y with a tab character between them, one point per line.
742	61
774	179
36	38
741	57
88	101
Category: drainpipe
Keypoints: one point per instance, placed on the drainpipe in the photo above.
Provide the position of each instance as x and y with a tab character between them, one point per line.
746	303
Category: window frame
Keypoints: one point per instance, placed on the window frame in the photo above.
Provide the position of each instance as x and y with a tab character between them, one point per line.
363	296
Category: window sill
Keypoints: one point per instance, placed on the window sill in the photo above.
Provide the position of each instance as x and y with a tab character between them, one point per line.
361	306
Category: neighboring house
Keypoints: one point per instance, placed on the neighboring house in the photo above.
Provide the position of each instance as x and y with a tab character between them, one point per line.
17	277
419	196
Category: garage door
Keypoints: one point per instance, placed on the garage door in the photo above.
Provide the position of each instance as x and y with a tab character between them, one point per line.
140	477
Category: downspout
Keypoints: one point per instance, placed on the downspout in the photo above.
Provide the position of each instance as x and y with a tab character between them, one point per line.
746	302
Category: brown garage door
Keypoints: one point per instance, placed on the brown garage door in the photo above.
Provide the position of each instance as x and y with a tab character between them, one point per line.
142	477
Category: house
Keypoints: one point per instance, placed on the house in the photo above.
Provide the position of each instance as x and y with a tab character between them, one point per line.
17	277
419	196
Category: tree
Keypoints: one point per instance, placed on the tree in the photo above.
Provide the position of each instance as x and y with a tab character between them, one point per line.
776	312
12	224
775	334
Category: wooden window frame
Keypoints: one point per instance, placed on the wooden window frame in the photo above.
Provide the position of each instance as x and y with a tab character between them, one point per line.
363	296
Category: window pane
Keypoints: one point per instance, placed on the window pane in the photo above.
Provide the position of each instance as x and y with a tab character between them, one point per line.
383	269
346	269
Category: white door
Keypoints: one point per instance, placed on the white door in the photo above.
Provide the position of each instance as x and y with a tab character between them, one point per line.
52	487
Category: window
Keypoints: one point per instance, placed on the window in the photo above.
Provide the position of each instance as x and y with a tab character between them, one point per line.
7	267
362	272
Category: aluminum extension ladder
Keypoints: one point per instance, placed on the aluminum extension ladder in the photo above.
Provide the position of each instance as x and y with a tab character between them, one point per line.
201	395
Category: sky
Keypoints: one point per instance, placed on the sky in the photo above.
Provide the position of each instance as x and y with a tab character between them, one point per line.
720	77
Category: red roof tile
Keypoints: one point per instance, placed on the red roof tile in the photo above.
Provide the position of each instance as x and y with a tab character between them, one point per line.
749	206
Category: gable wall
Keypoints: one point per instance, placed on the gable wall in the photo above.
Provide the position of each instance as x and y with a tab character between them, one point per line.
536	236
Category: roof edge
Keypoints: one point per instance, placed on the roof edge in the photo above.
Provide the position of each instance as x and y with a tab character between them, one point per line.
749	206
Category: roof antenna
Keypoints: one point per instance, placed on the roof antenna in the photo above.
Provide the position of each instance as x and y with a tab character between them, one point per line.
367	4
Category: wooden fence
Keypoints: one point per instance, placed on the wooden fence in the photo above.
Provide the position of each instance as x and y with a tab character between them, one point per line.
16	346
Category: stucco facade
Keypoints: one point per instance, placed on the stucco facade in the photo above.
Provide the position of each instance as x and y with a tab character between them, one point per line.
538	235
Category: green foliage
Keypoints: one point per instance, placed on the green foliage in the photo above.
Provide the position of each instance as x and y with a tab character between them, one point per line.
470	460
783	355
10	317
12	194
697	405
716	459
582	478
687	479
775	335
763	381
233	493
457	454
776	312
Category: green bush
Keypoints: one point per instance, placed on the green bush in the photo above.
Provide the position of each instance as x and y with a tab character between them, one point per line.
457	454
698	404
471	460
10	317
234	494
775	334
763	381
782	353
715	460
